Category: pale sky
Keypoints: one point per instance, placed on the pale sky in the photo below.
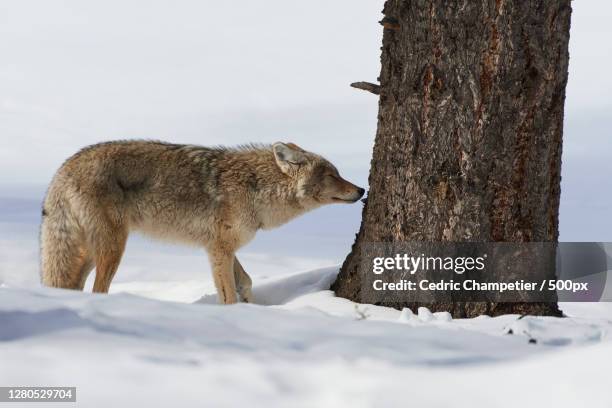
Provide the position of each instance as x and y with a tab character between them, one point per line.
77	72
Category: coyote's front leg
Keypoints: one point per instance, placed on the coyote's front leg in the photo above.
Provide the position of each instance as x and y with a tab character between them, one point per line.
222	264
243	282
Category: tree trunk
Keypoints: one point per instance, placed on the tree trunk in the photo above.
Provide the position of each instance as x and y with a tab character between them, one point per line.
468	145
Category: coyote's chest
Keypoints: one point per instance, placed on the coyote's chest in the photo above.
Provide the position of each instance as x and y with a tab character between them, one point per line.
275	215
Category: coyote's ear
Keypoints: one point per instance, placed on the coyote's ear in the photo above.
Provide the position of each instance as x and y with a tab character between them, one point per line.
288	155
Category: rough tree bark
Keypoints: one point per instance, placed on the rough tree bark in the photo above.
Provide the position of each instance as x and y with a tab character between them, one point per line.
468	146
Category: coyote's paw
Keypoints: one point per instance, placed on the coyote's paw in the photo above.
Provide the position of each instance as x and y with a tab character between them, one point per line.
245	296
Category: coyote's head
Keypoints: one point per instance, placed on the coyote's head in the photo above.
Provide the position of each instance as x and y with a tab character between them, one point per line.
317	179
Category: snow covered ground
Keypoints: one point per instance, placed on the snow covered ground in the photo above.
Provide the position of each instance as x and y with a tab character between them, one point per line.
299	346
159	338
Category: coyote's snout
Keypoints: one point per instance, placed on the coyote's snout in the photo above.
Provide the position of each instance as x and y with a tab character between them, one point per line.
216	198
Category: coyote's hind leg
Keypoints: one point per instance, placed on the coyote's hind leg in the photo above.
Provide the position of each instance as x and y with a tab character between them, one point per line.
86	268
109	250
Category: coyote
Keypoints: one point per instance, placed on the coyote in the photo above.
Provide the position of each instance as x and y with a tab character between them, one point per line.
216	198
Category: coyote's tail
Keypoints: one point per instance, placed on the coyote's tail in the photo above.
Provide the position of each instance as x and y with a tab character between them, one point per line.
62	245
